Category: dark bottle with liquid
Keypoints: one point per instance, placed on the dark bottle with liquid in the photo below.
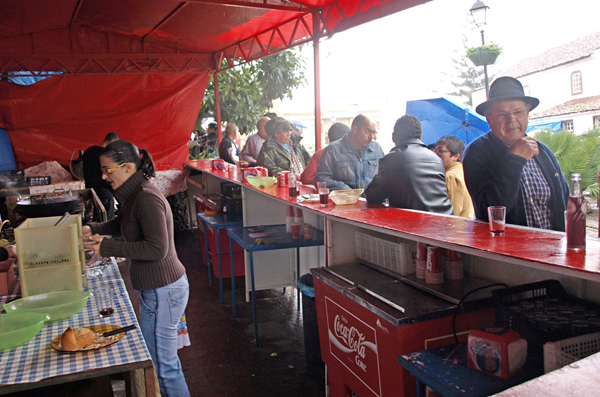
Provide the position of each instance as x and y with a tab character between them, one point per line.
292	182
575	216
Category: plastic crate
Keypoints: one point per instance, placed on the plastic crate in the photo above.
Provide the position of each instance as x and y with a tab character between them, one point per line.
51	258
232	206
393	256
12	179
564	352
231	190
543	298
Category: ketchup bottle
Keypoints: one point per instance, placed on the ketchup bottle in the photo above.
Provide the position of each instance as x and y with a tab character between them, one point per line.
575	216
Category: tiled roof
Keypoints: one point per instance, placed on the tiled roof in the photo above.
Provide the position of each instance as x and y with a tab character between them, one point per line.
577	49
575	106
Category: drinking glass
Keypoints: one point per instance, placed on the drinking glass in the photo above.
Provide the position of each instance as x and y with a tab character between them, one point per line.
323	193
497	218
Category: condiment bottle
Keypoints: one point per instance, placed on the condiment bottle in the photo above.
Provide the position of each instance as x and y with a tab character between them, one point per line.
575	216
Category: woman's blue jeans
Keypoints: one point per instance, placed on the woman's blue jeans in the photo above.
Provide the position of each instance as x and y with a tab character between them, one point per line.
160	312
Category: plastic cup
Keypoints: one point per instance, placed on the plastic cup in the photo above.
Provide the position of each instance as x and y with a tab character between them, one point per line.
105	301
295	230
497	219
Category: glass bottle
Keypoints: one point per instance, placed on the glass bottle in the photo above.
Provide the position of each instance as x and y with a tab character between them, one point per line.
575	216
292	182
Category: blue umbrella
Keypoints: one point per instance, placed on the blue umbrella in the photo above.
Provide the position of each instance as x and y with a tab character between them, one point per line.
442	116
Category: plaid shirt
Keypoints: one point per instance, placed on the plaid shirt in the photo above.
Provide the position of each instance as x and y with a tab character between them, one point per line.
536	196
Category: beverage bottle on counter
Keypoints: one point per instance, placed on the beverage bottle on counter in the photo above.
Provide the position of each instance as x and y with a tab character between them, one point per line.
575	216
292	182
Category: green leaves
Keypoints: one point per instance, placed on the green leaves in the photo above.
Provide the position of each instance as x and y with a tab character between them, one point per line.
247	92
491	48
576	154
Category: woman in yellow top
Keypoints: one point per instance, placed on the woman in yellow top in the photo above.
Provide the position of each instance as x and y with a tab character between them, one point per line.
450	149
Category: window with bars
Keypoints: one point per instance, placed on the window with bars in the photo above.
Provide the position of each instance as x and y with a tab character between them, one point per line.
576	83
567	125
596	121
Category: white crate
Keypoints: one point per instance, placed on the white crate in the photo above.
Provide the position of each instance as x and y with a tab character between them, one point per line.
396	257
564	352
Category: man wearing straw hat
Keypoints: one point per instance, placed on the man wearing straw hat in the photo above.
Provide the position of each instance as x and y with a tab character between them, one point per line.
506	167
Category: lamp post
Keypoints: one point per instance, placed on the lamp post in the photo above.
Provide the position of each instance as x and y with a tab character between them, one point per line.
478	12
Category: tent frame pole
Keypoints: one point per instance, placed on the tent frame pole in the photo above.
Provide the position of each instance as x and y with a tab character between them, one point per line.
316	36
217	106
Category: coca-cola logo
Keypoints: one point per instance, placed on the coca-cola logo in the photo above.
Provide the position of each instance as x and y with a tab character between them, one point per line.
352	338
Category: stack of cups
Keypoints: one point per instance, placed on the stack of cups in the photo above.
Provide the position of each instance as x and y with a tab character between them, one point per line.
454	265
435	268
299	217
421	259
289	219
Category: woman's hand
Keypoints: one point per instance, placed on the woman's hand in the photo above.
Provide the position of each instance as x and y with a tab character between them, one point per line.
96	247
87	232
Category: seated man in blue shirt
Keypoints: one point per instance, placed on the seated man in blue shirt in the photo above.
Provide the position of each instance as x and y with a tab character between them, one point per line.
353	161
508	168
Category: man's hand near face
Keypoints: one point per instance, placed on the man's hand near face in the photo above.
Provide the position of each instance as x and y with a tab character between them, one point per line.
525	147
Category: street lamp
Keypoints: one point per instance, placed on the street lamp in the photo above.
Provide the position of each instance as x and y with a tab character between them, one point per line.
479	14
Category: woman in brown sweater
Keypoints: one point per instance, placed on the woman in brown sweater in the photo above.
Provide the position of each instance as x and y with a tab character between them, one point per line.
145	223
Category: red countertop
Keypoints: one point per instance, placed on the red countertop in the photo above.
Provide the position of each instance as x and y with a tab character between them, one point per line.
517	244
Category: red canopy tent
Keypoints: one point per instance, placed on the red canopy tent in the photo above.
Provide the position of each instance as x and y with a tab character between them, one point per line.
140	67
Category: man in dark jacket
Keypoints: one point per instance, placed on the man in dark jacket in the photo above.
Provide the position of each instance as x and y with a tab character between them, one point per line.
282	151
92	174
410	176
508	168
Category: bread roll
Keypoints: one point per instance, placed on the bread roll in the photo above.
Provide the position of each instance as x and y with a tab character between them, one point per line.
73	340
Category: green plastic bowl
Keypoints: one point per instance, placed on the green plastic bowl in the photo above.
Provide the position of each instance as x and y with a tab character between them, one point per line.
261	181
60	305
18	328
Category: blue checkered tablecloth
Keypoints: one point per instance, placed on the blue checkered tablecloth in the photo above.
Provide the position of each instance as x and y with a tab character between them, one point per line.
37	360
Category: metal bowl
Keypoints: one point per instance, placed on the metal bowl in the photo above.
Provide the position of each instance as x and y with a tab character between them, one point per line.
18	328
59	305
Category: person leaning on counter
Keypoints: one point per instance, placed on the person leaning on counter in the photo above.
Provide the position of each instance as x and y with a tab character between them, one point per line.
145	224
410	176
353	161
508	168
282	149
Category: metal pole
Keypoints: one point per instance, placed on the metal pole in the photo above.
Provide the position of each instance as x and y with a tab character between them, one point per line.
487	83
317	35
217	106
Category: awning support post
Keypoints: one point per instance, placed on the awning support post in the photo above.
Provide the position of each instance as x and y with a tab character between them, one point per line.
316	36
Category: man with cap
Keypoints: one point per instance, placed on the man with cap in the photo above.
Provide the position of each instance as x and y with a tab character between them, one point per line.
335	133
255	141
505	167
353	161
282	149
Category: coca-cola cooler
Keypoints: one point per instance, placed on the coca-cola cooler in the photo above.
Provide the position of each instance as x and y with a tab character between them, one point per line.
361	335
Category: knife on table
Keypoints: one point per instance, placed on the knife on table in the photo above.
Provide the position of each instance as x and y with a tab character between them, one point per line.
119	330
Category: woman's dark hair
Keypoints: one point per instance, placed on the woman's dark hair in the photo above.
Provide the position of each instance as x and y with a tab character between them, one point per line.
126	152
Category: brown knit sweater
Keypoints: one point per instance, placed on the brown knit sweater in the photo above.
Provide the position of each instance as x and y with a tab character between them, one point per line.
146	224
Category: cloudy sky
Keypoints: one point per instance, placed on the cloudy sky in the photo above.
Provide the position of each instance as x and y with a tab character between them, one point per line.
403	56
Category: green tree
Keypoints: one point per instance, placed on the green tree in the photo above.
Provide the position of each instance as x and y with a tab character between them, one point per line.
248	91
576	154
